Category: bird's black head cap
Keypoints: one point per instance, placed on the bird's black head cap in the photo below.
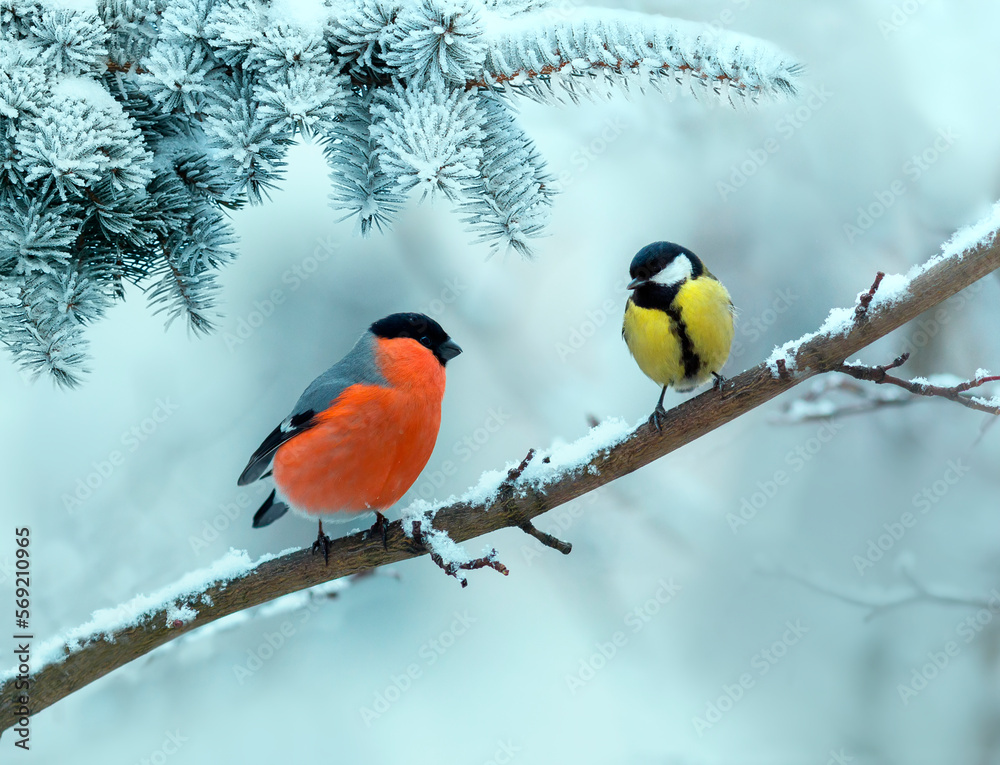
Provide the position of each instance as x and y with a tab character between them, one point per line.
653	258
421	328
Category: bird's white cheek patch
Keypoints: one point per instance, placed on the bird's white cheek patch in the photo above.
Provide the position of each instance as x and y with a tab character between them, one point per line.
678	270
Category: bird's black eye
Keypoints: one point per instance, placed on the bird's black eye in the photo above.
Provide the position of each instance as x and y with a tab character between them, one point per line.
425	341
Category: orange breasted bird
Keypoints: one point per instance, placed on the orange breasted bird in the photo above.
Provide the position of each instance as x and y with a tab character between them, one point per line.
360	434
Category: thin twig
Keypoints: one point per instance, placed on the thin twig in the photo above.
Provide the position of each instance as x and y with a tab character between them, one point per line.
506	489
882	603
515	472
451	568
861	311
128	67
546	539
988	423
880	375
815	406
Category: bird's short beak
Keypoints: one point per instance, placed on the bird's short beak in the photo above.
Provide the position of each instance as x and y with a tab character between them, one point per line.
637	282
449	349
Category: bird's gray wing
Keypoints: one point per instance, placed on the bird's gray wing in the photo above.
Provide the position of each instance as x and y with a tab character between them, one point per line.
357	367
261	460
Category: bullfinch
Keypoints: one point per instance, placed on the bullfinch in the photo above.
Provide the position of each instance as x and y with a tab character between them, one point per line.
360	434
679	320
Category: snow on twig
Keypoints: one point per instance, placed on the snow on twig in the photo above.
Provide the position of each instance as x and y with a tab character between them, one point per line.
885	291
533	473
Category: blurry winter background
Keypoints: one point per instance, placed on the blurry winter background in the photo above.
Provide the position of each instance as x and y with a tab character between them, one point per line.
555	663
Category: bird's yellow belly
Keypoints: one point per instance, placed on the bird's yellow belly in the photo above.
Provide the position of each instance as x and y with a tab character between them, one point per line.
657	343
653	343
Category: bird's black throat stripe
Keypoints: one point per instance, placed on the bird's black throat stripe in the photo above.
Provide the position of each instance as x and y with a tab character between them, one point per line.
690	359
660	297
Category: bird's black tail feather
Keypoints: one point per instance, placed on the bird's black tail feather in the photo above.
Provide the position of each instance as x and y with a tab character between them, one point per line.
269	512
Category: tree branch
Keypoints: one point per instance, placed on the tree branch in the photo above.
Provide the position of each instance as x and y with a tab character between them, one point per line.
817	403
527	491
880	375
881	602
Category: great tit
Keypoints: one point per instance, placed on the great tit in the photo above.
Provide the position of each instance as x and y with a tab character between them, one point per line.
678	320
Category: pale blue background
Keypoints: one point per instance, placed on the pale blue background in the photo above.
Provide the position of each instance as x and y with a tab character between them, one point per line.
501	688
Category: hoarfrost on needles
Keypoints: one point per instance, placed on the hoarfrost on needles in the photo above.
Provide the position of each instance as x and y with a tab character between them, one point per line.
202	99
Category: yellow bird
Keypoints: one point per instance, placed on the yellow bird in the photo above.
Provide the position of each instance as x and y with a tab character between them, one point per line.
678	320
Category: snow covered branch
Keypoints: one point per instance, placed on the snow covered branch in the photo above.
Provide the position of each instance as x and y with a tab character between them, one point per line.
923	387
541	57
128	128
511	497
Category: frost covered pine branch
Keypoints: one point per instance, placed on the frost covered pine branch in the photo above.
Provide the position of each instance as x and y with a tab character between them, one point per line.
128	130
